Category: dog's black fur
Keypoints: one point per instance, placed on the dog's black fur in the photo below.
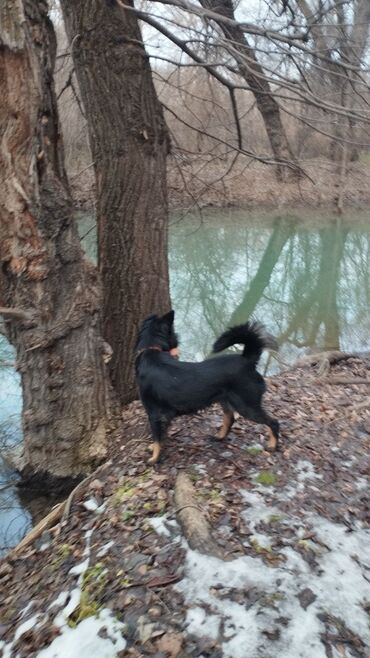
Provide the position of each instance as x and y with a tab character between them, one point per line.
170	388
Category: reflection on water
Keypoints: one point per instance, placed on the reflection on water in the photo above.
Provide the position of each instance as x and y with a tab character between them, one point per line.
309	282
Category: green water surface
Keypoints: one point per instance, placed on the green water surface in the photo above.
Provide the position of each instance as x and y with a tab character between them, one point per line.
306	278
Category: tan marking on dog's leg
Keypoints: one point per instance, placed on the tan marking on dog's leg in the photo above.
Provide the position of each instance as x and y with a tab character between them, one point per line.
272	441
227	422
156	447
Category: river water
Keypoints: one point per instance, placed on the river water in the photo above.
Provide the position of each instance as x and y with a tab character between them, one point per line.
306	277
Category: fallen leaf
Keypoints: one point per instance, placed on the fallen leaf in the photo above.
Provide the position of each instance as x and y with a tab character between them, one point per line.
171	644
165	580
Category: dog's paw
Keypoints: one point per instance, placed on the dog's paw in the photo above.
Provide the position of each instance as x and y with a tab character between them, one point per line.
272	448
156	448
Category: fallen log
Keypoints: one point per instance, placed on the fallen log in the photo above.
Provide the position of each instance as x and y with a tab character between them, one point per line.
194	525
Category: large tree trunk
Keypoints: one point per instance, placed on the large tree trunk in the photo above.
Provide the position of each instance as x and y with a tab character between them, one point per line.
252	72
129	142
49	293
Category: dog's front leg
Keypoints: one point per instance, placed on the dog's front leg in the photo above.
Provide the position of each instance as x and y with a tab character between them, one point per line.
158	427
156	451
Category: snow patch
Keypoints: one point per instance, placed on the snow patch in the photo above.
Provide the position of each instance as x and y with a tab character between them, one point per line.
338	584
261	540
200	468
105	548
159	524
258	510
91	505
85	640
362	483
60	600
73	602
79	569
26	609
197	620
306	471
32	622
101	636
23	628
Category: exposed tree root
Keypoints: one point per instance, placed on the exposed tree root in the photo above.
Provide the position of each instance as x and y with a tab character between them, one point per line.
326	359
331	356
192	520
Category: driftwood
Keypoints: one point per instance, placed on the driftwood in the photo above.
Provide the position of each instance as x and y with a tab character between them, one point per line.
38	529
191	518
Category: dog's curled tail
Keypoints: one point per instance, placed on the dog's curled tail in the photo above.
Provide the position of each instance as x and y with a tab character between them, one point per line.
254	337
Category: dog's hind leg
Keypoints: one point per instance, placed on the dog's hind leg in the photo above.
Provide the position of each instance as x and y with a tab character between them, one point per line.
227	422
259	415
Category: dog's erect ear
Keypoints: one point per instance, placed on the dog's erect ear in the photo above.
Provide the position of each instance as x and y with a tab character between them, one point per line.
168	318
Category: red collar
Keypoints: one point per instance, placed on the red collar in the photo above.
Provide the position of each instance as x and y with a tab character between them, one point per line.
173	351
152	347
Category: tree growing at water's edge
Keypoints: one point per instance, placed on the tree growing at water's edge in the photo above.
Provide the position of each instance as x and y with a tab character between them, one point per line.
49	292
129	142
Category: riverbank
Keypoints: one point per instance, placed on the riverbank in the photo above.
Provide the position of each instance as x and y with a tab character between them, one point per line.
289	539
194	183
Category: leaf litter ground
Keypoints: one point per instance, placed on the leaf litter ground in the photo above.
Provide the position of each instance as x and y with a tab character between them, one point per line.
117	578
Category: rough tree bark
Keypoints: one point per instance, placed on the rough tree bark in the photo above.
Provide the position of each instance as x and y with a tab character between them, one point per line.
252	72
49	290
129	143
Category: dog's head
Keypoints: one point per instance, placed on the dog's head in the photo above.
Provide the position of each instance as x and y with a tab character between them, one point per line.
158	331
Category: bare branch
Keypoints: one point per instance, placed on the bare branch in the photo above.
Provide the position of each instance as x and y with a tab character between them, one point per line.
16	314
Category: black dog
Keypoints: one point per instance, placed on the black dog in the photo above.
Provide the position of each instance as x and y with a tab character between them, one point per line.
170	388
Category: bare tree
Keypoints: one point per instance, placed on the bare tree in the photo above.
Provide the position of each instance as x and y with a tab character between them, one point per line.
252	72
49	293
129	143
339	31
277	58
